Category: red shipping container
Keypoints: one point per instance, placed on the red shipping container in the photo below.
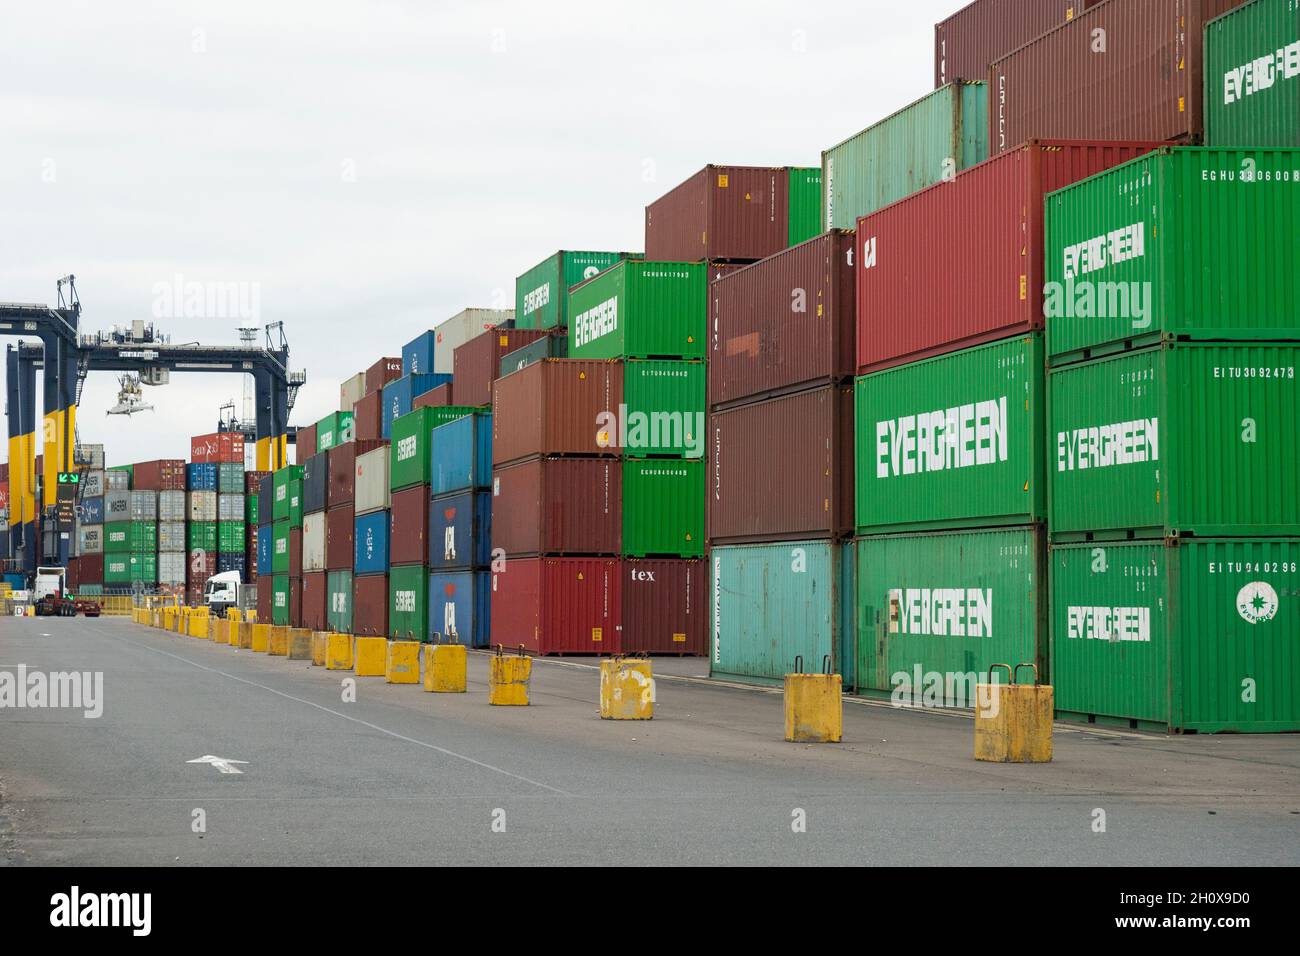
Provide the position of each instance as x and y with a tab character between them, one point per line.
72	575
804	491
784	323
981	32
264	602
164	474
665	610
477	363
409	526
1148	83
722	212
343	465
558	605
314	601
368	417
436	397
201	566
961	263
91	568
340	529
370	605
295	552
382	372
295	602
555	407
557	506
250	553
218	446
304	444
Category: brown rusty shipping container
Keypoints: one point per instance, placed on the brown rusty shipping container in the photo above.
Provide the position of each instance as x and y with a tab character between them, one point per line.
409	526
782	468
1146	85
558	506
370	605
368	417
164	474
200	565
556	407
986	30
477	363
295	553
783	323
315	601
665	610
382	372
91	569
265	600
343	465
340	529
304	444
439	397
722	212
253	481
558	605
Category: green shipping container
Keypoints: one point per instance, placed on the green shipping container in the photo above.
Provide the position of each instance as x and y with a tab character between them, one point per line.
665	408
1187	241
230	478
936	611
1183	634
338	612
250	510
1184	438
117	568
230	536
663	508
143	567
280	547
925	142
408	453
776	603
804	185
334	429
1252	75
202	535
280	600
280	490
408	598
639	309
953	441
542	293
130	536
295	503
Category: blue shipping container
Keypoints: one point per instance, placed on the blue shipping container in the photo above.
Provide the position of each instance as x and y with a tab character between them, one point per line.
459	605
92	510
461	455
399	395
417	354
370	543
201	476
460	531
234	561
265	534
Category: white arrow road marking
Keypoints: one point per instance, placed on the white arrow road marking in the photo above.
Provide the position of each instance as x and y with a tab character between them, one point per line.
224	764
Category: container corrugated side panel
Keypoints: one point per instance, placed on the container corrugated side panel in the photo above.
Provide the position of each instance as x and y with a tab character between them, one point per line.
676	223
460	608
999	578
538	294
551	407
370	605
664	607
558	506
669	391
338	611
981	32
582	608
1238	112
804	185
663	507
667	305
408	594
748	218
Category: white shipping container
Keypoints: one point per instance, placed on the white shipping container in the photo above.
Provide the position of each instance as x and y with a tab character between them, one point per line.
171	506
171	567
350	392
313	541
459	329
92	486
144	506
116	480
230	508
203	506
91	539
117	505
171	535
370	488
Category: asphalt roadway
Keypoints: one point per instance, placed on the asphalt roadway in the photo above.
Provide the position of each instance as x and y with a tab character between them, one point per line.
405	777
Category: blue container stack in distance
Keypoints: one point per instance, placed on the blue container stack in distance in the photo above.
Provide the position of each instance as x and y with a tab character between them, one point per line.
400	395
460	531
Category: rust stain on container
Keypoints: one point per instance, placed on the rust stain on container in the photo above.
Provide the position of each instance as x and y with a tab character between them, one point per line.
556	407
558	506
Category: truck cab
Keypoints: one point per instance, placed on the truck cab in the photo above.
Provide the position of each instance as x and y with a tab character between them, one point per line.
47	593
224	591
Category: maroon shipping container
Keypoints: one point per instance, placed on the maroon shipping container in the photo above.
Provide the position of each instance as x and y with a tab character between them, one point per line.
201	566
409	526
72	575
295	552
436	397
555	407
253	481
785	322
665	610
91	569
558	506
961	263
382	372
194	596
370	605
722	212
264	603
477	363
165	474
340	529
982	32
250	553
805	490
304	444
368	417
314	601
343	465
295	602
1146	85
558	605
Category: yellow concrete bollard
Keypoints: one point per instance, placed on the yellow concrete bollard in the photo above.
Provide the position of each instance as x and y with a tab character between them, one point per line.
243	638
277	640
234	616
319	644
261	638
339	654
299	644
1013	722
232	632
200	624
402	662
251	615
370	656
219	630
627	689
445	667
508	678
814	705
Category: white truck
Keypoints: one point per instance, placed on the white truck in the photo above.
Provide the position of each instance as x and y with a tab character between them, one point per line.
226	590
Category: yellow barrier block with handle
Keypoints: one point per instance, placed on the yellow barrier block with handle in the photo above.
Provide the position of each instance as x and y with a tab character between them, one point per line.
1013	722
219	629
814	706
371	656
508	677
319	644
242	635
339	652
299	644
200	625
402	662
234	616
277	640
261	638
627	689
232	632
445	667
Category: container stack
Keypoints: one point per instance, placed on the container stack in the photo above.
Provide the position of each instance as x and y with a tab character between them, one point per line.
315	501
252	527
362	500
201	527
90	529
459	531
265	556
283	601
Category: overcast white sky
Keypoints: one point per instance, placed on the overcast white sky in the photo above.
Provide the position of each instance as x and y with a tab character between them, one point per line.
376	167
